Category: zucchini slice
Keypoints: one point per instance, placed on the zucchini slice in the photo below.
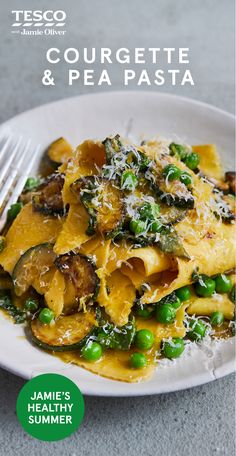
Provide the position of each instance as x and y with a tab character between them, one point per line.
168	241
172	193
170	215
34	263
68	333
104	203
80	270
48	198
121	157
175	194
225	207
112	146
230	178
60	151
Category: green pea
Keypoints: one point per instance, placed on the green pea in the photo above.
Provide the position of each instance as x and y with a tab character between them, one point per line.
138	360
165	313
13	211
129	181
217	318
2	243
31	184
173	348
232	295
144	339
205	287
92	351
198	330
223	283
46	316
149	211
178	149
137	226
183	293
31	305
156	226
177	303
185	178
171	172
144	311
192	160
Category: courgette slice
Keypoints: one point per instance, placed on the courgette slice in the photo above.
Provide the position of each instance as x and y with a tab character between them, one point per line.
175	194
230	178
60	151
112	146
225	207
121	157
170	215
172	193
104	203
67	333
48	198
80	270
34	263
168	241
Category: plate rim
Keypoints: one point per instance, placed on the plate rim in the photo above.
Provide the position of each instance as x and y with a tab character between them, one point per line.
126	92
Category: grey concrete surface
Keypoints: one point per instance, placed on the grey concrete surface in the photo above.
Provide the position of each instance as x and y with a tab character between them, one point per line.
197	422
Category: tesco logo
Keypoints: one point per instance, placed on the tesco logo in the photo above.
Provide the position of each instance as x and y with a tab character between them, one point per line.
27	18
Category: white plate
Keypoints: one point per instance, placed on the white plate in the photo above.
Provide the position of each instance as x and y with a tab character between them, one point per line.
133	113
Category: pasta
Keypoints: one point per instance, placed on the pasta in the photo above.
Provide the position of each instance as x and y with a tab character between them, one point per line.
123	254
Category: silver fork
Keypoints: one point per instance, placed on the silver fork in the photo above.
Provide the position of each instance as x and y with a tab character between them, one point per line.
17	158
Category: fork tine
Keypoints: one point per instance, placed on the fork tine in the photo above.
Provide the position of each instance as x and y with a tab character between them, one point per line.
17	169
10	159
21	182
3	140
20	157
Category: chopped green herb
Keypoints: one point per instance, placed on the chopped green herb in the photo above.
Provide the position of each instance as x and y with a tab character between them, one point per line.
13	211
118	338
129	181
137	226
149	211
31	184
171	244
17	314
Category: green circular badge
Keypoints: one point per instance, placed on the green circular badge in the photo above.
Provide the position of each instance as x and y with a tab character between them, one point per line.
50	407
